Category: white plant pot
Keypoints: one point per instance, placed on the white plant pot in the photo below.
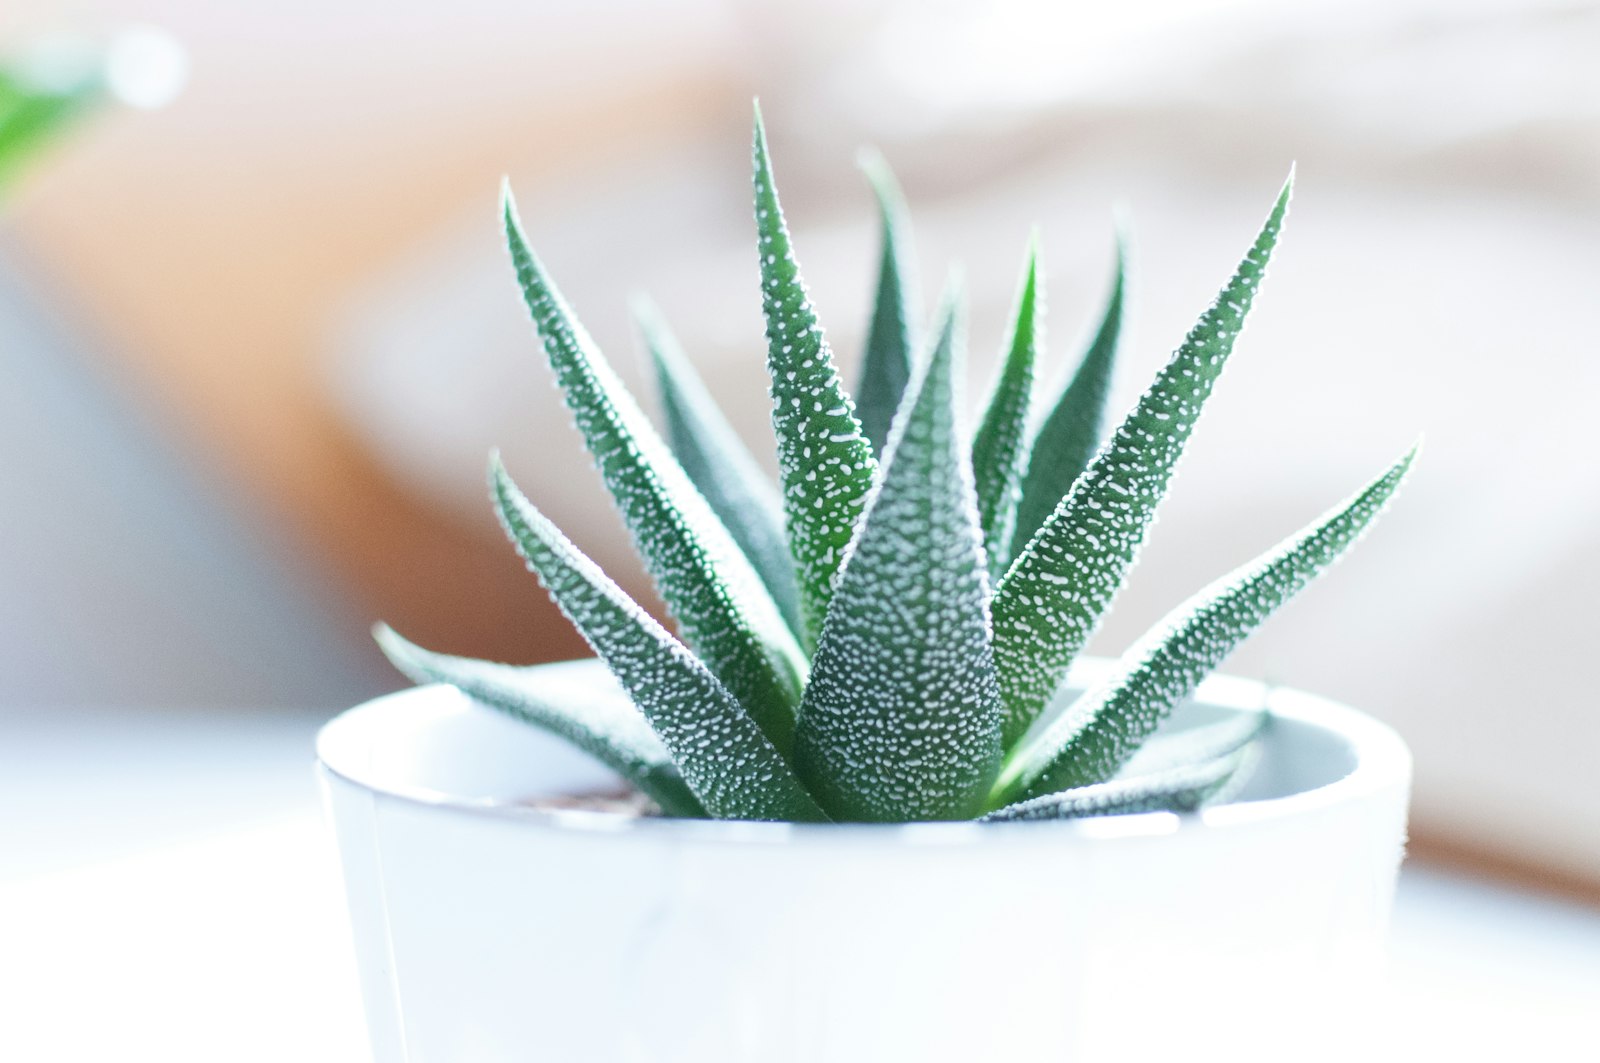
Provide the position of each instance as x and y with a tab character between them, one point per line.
490	931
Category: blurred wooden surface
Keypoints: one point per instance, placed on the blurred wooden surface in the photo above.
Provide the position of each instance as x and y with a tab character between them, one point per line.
210	243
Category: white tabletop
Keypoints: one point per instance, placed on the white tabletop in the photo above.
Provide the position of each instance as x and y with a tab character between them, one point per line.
168	890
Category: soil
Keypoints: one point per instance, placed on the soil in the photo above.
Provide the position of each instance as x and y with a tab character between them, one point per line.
618	802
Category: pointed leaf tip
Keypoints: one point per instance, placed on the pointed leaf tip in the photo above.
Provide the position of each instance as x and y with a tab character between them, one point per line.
1054	595
892	332
723	609
1100	731
826	462
901	719
758	128
715	458
999	450
1121	221
885	186
1182	789
509	218
579	703
1071	430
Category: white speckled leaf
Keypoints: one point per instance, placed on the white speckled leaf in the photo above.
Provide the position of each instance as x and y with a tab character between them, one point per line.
886	364
1100	731
826	463
1165	750
1057	590
715	459
998	454
584	705
707	583
1184	788
1070	432
723	755
901	719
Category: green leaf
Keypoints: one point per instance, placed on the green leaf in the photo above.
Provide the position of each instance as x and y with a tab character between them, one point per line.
724	756
825	462
886	365
580	702
1101	730
1193	745
716	460
708	585
901	719
997	449
1185	788
1070	432
1056	591
30	117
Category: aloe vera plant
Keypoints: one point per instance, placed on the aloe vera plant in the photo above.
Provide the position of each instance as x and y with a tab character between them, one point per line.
884	634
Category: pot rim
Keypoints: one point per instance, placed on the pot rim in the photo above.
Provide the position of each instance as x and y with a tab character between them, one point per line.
1381	762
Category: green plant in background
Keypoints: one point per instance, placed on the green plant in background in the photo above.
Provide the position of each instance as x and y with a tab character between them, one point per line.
31	115
884	635
57	80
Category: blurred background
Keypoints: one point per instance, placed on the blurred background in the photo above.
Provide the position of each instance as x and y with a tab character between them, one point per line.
258	342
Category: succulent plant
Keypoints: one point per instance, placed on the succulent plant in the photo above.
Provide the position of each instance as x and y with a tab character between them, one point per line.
884	634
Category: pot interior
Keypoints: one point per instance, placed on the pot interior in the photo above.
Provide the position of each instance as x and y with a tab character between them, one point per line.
435	744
